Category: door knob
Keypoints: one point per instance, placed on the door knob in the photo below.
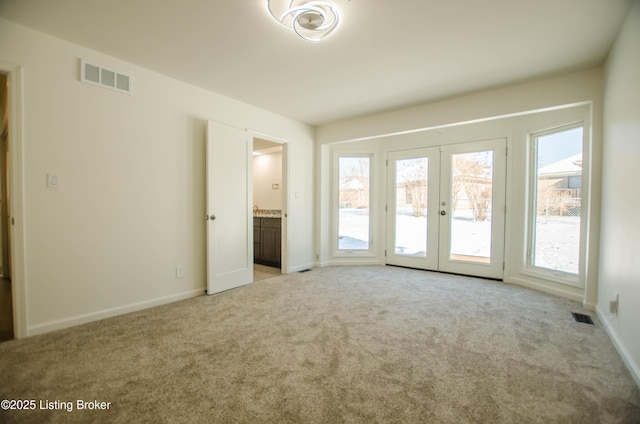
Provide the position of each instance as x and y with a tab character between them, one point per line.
443	213
212	217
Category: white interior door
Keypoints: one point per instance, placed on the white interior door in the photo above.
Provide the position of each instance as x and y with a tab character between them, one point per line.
229	208
446	208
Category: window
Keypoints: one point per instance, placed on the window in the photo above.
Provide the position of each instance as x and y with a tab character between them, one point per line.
354	218
556	202
472	181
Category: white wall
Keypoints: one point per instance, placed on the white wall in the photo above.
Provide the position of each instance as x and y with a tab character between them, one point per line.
131	202
571	88
479	112
620	240
267	170
3	125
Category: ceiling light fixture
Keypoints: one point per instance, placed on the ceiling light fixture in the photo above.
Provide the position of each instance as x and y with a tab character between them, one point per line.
312	20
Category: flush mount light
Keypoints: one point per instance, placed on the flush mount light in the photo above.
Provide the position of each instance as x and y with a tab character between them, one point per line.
312	20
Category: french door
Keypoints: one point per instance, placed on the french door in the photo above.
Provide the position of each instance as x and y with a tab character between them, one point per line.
446	208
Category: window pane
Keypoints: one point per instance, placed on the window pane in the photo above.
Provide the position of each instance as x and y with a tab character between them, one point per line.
471	201
411	207
556	233
353	203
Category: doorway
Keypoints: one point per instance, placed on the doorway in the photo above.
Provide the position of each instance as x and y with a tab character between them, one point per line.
269	160
229	214
446	208
6	295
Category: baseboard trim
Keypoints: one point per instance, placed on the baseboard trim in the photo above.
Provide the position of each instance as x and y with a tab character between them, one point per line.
109	313
545	289
354	262
633	368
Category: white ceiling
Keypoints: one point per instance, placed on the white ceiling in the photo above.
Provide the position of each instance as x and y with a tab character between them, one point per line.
386	54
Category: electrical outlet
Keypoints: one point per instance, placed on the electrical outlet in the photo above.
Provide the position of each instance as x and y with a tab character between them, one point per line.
53	181
613	305
179	271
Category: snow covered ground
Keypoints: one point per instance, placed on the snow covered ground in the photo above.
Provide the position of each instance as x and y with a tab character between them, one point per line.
558	243
353	229
557	247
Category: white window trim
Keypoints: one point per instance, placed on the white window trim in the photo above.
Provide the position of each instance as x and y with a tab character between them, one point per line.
565	278
335	196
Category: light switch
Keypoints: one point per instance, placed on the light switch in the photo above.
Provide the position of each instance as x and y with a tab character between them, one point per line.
53	181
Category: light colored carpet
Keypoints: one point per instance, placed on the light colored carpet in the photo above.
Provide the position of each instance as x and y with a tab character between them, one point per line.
333	345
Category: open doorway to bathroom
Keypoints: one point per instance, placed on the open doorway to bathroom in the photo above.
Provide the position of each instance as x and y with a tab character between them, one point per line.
6	302
269	160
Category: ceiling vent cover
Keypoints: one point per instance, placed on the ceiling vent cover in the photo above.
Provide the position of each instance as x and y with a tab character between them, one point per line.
107	78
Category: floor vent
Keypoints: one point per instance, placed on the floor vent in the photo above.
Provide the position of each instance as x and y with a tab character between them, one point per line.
585	319
305	270
97	75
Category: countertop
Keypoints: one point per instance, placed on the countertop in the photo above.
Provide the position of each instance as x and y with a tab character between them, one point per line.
267	213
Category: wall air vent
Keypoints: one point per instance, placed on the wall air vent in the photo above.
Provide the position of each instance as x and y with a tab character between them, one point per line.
107	78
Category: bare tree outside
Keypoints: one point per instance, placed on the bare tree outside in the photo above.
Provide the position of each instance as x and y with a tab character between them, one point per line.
558	213
480	199
472	177
413	175
456	186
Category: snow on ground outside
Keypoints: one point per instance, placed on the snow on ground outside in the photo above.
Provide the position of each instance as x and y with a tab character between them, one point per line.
558	240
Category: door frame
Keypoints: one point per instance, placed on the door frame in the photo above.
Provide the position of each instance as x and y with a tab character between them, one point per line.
251	134
430	261
495	269
284	235
16	195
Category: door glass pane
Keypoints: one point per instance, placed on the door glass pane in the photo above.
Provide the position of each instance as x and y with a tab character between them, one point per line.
471	202
411	207
558	178
353	203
